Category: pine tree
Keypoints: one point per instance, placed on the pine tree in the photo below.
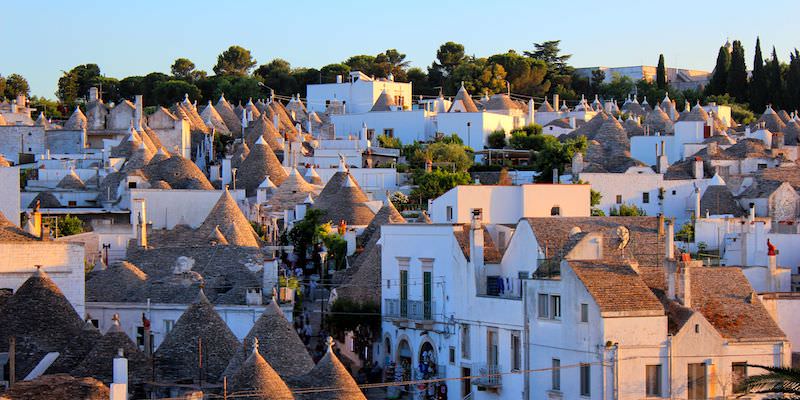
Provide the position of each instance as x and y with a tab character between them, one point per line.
759	87
737	75
775	81
793	81
718	84
661	73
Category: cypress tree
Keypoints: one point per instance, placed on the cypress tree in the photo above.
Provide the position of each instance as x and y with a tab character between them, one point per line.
661	73
719	80
775	81
759	90
793	81
737	74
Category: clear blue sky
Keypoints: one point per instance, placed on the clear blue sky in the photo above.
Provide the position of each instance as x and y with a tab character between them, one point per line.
125	38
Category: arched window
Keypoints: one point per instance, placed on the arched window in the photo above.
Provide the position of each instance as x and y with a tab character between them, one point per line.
555	211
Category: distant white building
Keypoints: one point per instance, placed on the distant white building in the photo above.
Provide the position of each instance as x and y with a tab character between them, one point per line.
357	94
678	78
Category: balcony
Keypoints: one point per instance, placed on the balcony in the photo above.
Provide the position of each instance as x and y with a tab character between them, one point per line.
549	269
409	309
501	287
488	376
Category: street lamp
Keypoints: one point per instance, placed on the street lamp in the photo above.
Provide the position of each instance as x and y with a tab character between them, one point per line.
271	90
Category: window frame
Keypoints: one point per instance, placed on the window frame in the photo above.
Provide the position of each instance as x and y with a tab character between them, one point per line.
516	351
555	307
653	389
543	306
736	381
619	199
555	376
646	197
584	313
586	380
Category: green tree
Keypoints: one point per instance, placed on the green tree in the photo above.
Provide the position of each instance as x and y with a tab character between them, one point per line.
737	75
525	74
364	63
330	71
436	183
619	87
719	79
172	91
2	87
395	62
69	225
547	153
148	87
236	60
739	111
777	380
183	68
559	72
16	84
389	142
448	57
759	84
420	79
775	85
626	210
304	77
497	139
661	73
478	75
49	107
597	81
793	81
278	75
131	86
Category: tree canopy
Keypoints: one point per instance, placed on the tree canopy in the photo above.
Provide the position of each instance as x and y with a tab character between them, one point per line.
236	60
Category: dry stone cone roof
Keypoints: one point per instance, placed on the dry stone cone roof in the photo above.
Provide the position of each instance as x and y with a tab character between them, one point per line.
213	120
348	205
384	102
286	123
388	214
10	232
161	155
260	163
179	173
71	181
251	108
589	128
99	363
697	113
500	102
545	107
613	137
464	97
633	127
261	127
331	374
659	121
278	343
41	319
228	219
76	121
76	350
292	191
107	285
46	200
58	386
227	114
139	159
256	376
199	327
311	176
128	145
784	116
792	133
240	151
772	121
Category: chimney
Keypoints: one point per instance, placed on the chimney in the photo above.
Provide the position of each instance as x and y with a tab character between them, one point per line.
14	107
663	164
572	122
686	283
531	112
119	385
772	255
660	225
45	232
253	297
698	168
137	114
751	216
141	223
338	79
276	122
555	101
93	94
476	239
696	203
669	241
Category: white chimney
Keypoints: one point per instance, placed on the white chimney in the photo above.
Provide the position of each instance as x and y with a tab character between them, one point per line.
696	203
338	79
661	157
531	112
141	222
772	270
253	297
572	122
476	239
669	240
137	113
119	385
698	168
686	284
555	101
93	94
751	216
276	122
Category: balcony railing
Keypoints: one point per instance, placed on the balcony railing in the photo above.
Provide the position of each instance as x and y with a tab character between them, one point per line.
410	309
502	287
488	375
549	268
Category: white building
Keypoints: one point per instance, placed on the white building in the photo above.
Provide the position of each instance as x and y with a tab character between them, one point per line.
358	94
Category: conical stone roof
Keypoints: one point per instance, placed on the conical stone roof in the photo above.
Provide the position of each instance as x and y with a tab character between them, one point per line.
771	120
384	102
331	374
229	219
213	120
256	376
292	191
278	343
388	214
227	114
261	127
659	121
347	205
465	99
77	121
99	363
200	327
71	181
260	163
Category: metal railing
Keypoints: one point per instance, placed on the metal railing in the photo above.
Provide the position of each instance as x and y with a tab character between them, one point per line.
502	287
488	376
549	268
410	309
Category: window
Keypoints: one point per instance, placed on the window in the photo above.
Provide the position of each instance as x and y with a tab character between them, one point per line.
516	351
72	203
404	293
584	312
696	381
449	213
140	336
95	322
542	303
388	132
586	380
762	166
370	134
738	375
619	199
555	211
653	380
452	355
646	197
168	325
492	348
465	341
131	185
555	307
674	192
555	374
426	295
696	328
501	240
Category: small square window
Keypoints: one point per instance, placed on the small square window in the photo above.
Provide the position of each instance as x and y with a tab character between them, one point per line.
555	307
543	306
645	197
674	192
452	355
586	380
653	380
449	213
619	199
696	328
